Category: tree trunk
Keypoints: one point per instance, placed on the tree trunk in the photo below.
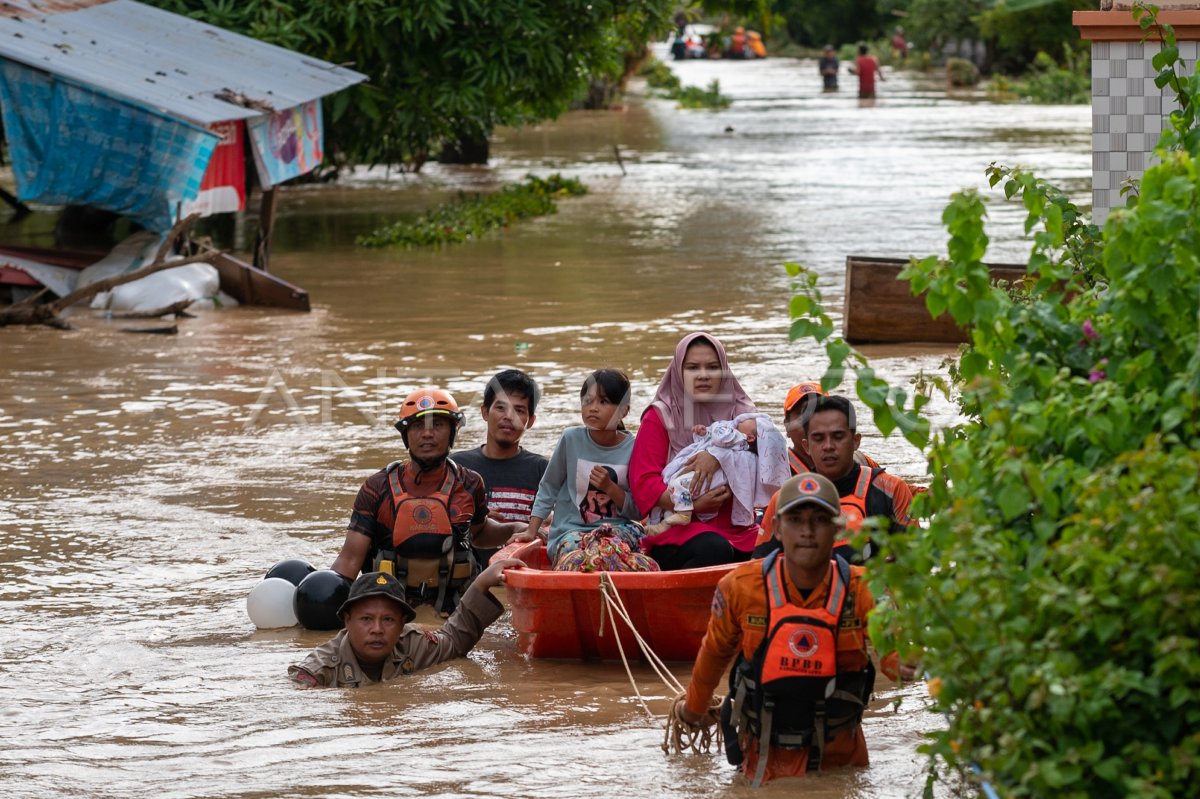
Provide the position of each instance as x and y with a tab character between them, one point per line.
466	150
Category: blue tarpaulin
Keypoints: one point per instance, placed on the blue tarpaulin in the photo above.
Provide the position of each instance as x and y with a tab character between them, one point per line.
72	145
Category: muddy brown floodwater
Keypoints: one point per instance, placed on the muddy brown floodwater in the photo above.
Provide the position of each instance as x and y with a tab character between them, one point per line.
147	482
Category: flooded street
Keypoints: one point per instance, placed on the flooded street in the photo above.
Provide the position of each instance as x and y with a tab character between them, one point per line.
147	482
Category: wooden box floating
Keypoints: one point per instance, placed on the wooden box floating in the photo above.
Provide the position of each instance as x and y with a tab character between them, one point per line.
880	308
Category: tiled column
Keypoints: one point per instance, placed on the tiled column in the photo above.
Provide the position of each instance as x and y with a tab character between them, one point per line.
1128	110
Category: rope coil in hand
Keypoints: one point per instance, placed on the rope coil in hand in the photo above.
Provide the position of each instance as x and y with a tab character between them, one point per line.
678	735
699	739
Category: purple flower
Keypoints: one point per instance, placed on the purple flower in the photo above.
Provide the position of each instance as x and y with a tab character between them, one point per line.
1095	376
1089	331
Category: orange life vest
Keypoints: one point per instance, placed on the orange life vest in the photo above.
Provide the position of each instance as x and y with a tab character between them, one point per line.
428	515
854	506
801	643
798	466
428	576
791	693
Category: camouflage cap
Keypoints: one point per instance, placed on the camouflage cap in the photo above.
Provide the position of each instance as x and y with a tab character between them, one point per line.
379	584
808	487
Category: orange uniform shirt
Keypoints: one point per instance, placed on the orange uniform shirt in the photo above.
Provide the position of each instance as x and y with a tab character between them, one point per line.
738	623
898	494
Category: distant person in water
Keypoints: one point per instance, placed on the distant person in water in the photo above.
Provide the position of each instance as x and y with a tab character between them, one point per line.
737	44
828	67
866	67
899	45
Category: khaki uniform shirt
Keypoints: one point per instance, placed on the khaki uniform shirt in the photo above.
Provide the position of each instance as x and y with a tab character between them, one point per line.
333	664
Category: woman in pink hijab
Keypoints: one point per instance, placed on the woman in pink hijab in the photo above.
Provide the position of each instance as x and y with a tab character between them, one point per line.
697	389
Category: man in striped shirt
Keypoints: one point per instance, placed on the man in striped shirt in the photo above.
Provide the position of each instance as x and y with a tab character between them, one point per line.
510	472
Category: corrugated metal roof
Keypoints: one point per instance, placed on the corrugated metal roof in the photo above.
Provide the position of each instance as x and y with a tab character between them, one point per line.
165	61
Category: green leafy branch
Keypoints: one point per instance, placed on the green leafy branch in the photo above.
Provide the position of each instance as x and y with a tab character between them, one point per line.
889	404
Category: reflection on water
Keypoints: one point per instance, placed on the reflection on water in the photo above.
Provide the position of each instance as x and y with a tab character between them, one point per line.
148	481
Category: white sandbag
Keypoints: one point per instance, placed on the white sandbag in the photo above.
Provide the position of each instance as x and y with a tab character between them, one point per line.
217	303
189	282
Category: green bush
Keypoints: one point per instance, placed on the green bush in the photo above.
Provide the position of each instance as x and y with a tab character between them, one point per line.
1000	89
470	217
1049	84
961	72
1054	598
708	97
660	76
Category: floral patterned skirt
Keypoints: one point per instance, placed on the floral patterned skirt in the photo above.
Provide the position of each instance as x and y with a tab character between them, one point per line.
607	548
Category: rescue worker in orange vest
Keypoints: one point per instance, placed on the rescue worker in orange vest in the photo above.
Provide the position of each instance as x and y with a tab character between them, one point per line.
829	438
797	623
419	519
799	400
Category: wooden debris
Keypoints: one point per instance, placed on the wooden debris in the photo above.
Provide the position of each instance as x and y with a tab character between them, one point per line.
164	330
30	312
174	309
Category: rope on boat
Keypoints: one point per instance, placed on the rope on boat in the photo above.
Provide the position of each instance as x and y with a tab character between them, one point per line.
677	736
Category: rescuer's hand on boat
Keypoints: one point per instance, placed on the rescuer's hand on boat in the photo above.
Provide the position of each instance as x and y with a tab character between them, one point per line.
493	575
686	716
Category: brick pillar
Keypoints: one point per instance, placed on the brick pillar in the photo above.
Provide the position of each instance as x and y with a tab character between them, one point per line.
1128	110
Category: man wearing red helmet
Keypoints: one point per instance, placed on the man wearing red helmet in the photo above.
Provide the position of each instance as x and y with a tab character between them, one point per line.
418	519
866	489
797	407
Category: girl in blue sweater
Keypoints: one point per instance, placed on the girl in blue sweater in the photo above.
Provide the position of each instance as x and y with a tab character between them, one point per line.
586	483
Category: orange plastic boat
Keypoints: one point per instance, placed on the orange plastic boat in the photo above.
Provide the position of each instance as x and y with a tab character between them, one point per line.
559	614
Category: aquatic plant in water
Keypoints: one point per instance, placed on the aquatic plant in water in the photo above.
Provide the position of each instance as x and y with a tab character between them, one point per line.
472	216
659	76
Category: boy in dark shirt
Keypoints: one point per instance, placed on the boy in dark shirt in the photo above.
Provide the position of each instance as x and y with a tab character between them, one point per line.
510	473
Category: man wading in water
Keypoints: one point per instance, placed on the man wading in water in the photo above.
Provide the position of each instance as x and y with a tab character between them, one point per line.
379	644
797	622
418	520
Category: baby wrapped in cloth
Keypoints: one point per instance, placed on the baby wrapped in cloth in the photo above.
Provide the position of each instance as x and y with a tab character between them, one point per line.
753	458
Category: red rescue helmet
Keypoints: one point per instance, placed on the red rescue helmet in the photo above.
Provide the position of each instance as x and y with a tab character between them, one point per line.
798	392
425	402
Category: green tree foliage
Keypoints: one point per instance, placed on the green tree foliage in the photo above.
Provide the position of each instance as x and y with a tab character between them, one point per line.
1015	31
1054	598
1049	83
930	24
446	70
1020	29
660	77
815	23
